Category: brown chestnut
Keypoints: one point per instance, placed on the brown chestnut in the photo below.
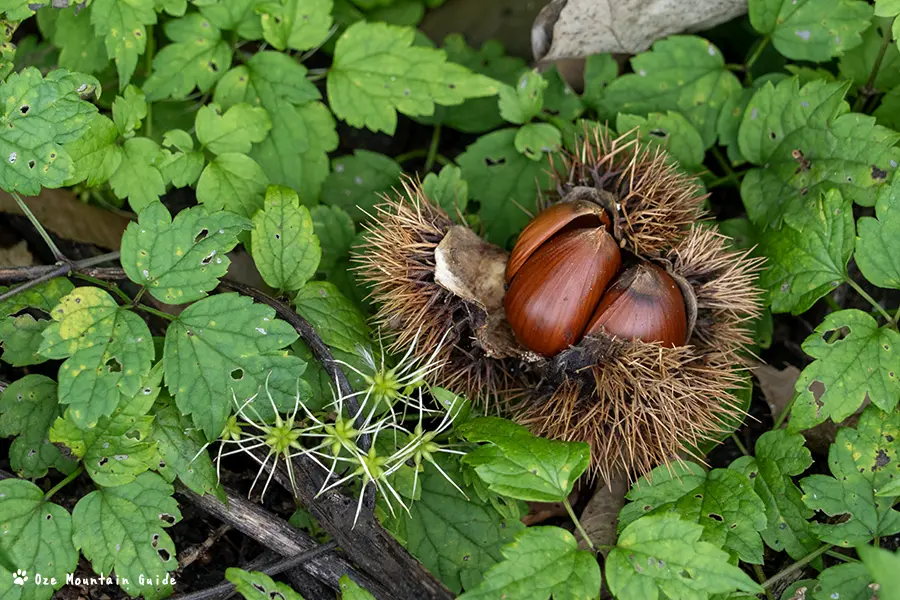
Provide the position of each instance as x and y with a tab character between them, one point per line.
644	303
554	291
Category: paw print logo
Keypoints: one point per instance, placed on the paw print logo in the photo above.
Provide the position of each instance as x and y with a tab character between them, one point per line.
20	577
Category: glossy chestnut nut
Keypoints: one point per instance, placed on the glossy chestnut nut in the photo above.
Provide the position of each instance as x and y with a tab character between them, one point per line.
558	277
644	303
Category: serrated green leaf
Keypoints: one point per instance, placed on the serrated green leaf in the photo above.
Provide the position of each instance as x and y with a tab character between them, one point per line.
777	109
234	15
808	257
44	296
27	409
180	261
80	49
887	8
182	168
175	8
457	538
520	465
294	154
226	344
234	131
132	540
849	581
336	232
876	253
882	565
41	115
255	585
123	25
861	460
540	563
599	71
37	536
128	110
107	348
504	182
888	111
814	30
350	590
448	189
337	321
356	182
138	177
523	102
233	182
284	247
477	115
779	456
534	140
671	131
560	99
377	72
95	155
663	556
182	450
857	64
722	501
296	24
861	365
197	58
21	339
684	74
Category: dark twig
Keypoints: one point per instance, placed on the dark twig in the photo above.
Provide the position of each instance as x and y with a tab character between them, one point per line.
34	276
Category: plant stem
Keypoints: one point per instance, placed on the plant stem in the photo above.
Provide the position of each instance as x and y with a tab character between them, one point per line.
757	52
111	287
60	271
870	300
433	148
64	482
784	413
578	525
57	254
148	65
761	577
869	89
768	583
422	153
737	442
840	556
730	175
153	311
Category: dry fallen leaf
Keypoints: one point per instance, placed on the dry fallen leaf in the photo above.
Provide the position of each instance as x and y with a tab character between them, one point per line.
16	256
777	386
580	28
600	517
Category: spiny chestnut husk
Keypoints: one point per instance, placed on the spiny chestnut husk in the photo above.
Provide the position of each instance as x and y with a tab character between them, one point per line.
652	371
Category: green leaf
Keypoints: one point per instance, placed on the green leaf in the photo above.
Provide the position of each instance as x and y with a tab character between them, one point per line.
180	261
850	153
671	131
226	344
356	182
337	321
534	140
80	49
877	254
523	102
234	15
663	556
861	460
107	348
722	501
27	409
197	58
599	71
255	585
123	25
808	257
21	339
520	465
887	8
504	181
285	249
183	167
37	535
234	131
295	153
888	111
882	565
350	590
95	155
335	231
813	30
448	189
296	24
377	72
673	76
779	456
848	581
541	562
857	64
39	117
559	98
732	115
129	110
861	365
138	177
455	537
233	182
181	449
122	528
44	296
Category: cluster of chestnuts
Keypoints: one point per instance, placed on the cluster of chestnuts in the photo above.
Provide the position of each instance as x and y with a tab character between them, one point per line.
618	319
